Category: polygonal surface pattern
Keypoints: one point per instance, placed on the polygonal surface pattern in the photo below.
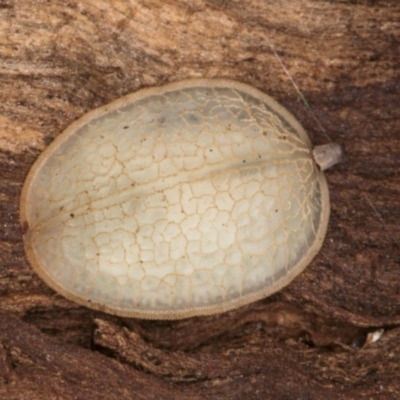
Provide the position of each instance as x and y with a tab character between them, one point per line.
192	198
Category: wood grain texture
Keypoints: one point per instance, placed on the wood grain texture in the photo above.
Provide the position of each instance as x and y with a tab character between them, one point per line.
60	59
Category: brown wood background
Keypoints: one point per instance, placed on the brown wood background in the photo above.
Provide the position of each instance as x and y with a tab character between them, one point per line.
61	58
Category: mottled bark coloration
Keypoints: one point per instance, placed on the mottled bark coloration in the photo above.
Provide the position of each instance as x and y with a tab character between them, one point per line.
60	59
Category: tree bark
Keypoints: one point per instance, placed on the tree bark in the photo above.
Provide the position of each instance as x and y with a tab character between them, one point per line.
332	333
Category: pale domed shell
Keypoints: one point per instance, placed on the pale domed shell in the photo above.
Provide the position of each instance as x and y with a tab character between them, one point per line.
188	199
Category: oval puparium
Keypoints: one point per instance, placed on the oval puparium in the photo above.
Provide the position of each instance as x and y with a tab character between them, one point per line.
189	199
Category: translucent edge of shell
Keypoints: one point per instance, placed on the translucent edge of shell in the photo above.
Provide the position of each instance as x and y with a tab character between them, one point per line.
194	311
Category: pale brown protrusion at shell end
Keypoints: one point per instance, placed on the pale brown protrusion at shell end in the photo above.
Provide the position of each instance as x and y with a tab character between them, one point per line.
327	155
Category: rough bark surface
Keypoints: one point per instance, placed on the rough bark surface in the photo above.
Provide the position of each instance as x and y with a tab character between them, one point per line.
312	340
